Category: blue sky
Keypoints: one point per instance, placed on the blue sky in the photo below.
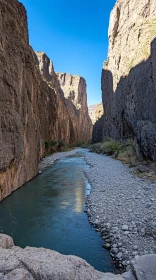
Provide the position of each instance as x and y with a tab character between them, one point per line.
74	34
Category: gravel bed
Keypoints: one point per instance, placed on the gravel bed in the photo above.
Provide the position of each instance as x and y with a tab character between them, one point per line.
49	160
122	207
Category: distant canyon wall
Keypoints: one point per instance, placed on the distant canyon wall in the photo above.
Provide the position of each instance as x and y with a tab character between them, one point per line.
129	75
32	108
96	113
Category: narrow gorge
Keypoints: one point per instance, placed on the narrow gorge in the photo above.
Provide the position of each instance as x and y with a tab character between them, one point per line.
82	213
34	108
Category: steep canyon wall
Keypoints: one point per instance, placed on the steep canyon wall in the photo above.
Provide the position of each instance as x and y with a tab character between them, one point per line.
70	91
31	110
129	75
74	90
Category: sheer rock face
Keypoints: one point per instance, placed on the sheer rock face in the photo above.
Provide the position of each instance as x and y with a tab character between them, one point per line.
74	91
128	77
95	112
70	91
31	111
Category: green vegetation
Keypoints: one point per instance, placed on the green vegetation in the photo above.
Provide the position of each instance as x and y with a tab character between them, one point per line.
125	152
85	145
109	147
54	146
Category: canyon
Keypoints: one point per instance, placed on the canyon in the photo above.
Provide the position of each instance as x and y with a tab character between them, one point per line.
33	107
128	77
39	105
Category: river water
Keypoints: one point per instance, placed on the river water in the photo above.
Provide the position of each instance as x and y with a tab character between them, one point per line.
49	212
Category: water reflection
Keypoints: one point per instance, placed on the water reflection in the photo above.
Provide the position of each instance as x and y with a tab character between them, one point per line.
79	199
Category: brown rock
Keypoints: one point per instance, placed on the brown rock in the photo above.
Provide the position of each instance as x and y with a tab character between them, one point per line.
74	92
31	110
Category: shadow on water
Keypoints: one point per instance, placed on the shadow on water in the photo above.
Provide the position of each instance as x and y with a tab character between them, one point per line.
49	212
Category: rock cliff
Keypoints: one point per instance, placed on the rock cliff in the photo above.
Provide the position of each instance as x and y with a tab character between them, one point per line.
74	91
128	77
31	111
71	91
39	263
95	112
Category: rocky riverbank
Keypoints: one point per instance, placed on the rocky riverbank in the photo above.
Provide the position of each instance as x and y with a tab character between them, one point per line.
39	263
122	208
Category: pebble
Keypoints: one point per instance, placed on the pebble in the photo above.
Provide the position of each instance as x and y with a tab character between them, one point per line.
125	227
123	223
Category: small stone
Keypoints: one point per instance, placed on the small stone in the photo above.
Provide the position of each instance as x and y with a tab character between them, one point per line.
107	245
114	245
125	227
119	255
142	168
126	232
114	251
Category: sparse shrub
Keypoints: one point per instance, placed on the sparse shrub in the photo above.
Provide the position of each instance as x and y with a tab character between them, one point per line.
85	145
53	146
111	147
127	154
97	148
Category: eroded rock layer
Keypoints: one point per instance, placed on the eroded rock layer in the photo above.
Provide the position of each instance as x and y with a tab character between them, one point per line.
31	111
129	75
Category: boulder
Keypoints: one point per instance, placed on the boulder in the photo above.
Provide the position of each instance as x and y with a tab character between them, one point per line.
144	267
6	241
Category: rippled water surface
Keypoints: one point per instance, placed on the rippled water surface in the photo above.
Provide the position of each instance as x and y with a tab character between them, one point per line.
49	212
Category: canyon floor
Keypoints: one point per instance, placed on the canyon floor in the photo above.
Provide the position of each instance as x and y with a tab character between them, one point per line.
122	207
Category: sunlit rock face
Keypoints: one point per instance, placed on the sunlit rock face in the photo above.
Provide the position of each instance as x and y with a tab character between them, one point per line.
30	111
95	112
128	77
71	90
74	91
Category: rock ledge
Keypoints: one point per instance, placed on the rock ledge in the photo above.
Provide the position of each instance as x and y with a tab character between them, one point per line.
39	263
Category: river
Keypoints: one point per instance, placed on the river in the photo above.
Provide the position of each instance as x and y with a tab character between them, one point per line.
49	212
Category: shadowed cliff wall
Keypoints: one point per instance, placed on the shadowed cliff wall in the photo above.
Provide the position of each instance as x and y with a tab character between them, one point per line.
128	77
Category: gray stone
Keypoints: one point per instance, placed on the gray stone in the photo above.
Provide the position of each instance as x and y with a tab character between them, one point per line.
125	227
128	275
107	245
110	276
119	255
142	168
19	274
114	251
6	241
144	267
